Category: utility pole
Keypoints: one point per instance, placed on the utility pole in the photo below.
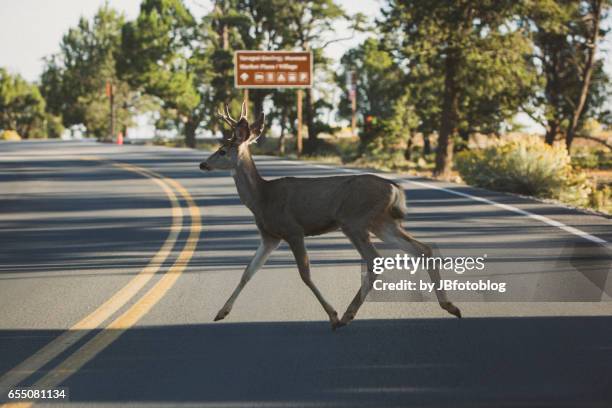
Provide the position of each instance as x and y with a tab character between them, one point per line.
300	96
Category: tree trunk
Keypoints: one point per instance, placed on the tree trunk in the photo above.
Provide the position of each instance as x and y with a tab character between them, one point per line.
281	140
595	6
311	144
426	144
408	151
551	132
366	136
464	134
448	125
25	132
554	90
190	133
257	97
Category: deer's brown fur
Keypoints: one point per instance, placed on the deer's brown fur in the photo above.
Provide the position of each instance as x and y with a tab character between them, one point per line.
292	208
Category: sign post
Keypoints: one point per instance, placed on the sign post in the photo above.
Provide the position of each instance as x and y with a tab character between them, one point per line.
245	98
300	96
110	93
275	69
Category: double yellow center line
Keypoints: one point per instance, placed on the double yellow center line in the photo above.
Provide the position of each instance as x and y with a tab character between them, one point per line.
127	319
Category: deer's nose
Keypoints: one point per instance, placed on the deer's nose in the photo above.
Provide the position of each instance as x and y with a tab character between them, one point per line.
204	166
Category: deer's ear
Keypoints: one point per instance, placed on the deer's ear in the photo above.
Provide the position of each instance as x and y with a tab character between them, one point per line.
257	127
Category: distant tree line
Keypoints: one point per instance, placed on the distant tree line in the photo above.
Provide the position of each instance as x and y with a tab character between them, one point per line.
444	68
23	109
465	67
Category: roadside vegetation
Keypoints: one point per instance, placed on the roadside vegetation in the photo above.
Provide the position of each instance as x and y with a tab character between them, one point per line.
439	86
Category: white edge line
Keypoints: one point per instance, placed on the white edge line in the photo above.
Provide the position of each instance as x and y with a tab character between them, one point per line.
541	218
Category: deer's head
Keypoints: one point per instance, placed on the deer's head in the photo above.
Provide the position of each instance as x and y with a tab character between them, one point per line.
242	134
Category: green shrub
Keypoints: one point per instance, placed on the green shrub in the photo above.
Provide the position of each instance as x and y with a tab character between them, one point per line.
526	165
601	199
10	135
604	160
589	158
585	160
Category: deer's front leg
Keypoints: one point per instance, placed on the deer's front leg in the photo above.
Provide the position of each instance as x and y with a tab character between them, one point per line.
267	245
301	258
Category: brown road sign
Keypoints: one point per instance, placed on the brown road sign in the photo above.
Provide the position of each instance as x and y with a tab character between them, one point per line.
273	69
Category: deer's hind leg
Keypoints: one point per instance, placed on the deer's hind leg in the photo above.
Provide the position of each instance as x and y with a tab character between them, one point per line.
391	232
360	238
301	258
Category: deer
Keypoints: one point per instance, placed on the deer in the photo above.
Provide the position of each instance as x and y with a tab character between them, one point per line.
292	208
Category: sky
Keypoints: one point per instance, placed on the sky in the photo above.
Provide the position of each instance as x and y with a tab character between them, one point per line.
33	29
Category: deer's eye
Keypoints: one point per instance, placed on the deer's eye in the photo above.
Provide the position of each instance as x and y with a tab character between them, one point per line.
221	152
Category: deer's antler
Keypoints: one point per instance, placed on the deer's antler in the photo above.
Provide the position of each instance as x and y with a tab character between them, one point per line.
227	113
226	117
243	111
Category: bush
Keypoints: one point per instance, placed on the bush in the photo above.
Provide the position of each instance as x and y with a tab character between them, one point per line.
589	158
585	160
55	128
10	135
526	165
601	199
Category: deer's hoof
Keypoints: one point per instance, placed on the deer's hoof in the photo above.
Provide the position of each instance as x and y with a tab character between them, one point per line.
333	319
347	318
452	309
221	315
337	324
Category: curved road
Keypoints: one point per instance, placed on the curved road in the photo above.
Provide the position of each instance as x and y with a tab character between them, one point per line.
115	259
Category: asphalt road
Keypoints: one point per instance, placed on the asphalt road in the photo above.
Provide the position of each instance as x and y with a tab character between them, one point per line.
108	287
